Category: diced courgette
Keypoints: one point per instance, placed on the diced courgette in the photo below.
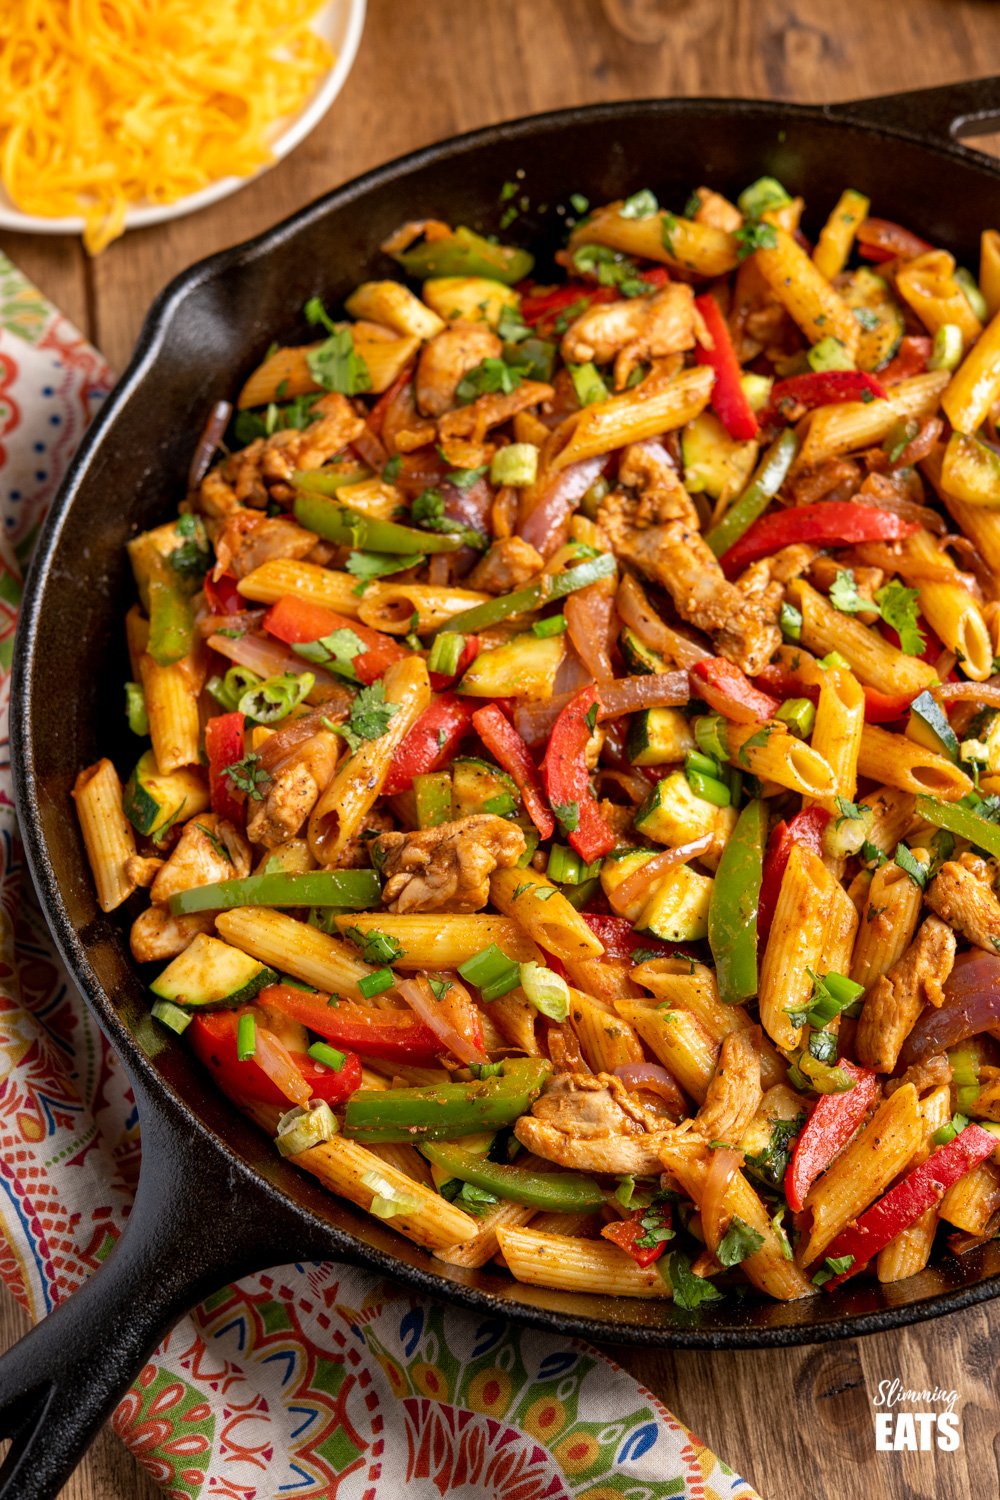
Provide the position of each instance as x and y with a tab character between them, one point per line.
524	667
640	658
210	972
673	814
713	461
478	787
677	910
153	801
615	871
658	736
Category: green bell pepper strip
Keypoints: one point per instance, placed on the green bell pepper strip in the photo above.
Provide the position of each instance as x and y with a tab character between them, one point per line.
767	480
446	1111
732	912
558	1192
352	890
550	586
964	822
464	253
171	621
338	523
329	481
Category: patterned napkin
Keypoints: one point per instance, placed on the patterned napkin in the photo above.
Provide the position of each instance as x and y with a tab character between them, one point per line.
310	1380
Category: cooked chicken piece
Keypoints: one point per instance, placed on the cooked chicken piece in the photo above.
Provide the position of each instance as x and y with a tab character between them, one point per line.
472	422
262	470
734	1094
446	358
356	853
656	530
447	868
505	567
292	793
633	331
896	999
208	850
592	1123
248	539
834	479
156	934
718	211
962	895
142	870
924	1076
764	582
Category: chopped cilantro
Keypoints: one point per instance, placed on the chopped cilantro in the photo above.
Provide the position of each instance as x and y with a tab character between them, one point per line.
850	812
898	607
215	841
377	948
544	892
390	470
511	327
336	365
844	594
738	1242
641	205
567	815
757	741
917	872
428	512
770	1165
336	651
248	775
610	269
590	717
369	716
439	987
832	1266
755	236
488	376
689	1290
655	1224
193	556
464	479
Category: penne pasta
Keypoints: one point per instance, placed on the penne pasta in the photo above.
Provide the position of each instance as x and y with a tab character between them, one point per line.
836	736
107	833
897	761
606	1040
556	1260
172	708
280	578
806	294
973	1202
975	385
989	270
677	1040
832	431
400	608
773	754
811	933
873	659
951	610
444	941
888	922
928	284
685	244
836	238
543	914
296	948
631	417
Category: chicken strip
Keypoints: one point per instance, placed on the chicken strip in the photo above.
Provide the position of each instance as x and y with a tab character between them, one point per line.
262	471
734	1094
292	792
157	935
656	528
446	359
472	422
962	895
507	566
446	868
592	1123
634	331
249	539
208	850
896	999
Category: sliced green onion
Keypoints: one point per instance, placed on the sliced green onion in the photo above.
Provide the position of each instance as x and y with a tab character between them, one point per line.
830	354
304	1126
375	984
973	295
800	716
515	465
272	700
765	193
492	972
711	736
389	1200
169	1014
964	1066
757	389
565	867
322	1052
833	659
948	1132
594	497
790	620
227	691
246	1037
588	384
948	348
709	788
547	990
446	653
135	708
706	764
551	625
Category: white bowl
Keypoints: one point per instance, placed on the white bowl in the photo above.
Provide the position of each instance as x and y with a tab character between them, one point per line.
339	22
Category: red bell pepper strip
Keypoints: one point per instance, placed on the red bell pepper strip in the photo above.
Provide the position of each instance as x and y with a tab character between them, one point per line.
376	416
395	1035
567	781
883	708
626	1232
296	621
621	940
431	742
728	399
806	828
221	594
442	680
729	691
503	741
830	1126
910	359
828	523
919	1190
224	747
213	1039
882	239
821	388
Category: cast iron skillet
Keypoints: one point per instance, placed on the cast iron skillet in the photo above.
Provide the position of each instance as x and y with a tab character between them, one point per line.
215	1200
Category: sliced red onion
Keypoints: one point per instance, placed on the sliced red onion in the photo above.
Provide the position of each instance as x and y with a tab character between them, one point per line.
269	658
971	1005
560	494
978	692
656	1079
211	437
726	1162
454	1018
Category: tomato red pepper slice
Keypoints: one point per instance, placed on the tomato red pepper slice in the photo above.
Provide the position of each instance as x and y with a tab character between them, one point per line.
821	388
221	594
621	940
296	621
542	309
806	828
224	747
431	742
567	781
729	690
919	1190
626	1232
830	522
503	741
213	1040
395	1035
830	1126
728	399
883	239
910	359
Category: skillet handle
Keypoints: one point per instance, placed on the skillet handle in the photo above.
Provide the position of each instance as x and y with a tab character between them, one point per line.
195	1226
952	111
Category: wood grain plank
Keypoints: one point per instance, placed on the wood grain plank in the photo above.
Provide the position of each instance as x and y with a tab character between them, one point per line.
798	1421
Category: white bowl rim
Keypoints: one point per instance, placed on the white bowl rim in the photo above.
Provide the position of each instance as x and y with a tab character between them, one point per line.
143	215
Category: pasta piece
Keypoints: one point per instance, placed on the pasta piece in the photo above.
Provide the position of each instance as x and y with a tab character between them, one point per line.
554	1260
888	922
832	431
444	941
280	577
951	610
407	1159
863	1170
692	986
286	373
631	417
296	948
399	608
927	283
339	815
677	1040
548	919
873	659
423	1215
975	385
836	736
394	306
989	270
893	814
172	708
476	1252
900	762
805	292
607	1041
107	833
910	1251
812	929
836	238
972	1203
682	243
770	752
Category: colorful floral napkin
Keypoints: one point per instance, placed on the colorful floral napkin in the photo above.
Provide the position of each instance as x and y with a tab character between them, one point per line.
309	1380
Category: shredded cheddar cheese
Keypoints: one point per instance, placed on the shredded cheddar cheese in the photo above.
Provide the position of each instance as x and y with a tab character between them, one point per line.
107	103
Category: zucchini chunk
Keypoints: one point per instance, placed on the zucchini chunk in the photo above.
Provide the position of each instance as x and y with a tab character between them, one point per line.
210	972
153	801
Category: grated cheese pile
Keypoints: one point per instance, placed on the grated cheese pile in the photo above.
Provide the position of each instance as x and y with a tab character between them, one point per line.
105	103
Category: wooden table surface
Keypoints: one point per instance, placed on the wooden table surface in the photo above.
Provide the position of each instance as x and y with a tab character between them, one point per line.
796	1423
